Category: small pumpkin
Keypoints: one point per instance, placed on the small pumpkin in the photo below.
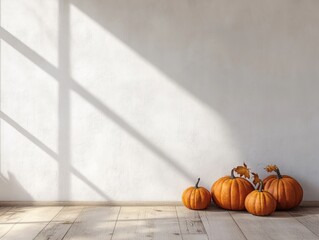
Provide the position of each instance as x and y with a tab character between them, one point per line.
196	198
229	192
285	189
260	202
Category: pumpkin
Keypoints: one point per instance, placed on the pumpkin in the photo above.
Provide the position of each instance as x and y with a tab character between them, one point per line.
260	202
229	192
285	189
196	198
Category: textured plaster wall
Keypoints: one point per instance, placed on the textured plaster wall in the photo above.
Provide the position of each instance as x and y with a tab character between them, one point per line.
133	100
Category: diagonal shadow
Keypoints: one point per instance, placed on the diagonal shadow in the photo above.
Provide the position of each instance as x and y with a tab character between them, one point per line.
28	53
73	85
128	128
28	135
49	151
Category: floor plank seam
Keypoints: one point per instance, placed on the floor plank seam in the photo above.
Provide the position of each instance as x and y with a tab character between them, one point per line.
179	224
72	224
10	227
303	224
8	231
117	219
48	223
237	225
3	214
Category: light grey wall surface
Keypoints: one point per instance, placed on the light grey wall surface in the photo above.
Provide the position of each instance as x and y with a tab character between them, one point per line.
133	100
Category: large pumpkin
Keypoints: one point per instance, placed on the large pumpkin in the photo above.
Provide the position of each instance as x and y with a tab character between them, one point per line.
196	198
230	192
260	202
285	189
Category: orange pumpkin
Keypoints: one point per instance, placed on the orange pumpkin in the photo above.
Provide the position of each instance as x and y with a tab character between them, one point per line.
260	202
230	192
285	189
196	198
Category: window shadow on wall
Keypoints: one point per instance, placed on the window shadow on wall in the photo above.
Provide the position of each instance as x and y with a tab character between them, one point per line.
240	66
253	63
66	85
52	154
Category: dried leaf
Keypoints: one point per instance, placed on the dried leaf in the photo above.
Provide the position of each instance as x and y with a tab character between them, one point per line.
256	178
271	168
243	171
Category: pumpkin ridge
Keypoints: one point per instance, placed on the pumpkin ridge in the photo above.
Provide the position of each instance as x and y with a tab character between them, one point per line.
199	195
187	196
282	196
257	201
271	180
297	190
196	197
201	191
221	190
217	186
190	196
294	192
206	194
276	189
235	191
230	196
267	182
241	185
191	201
263	201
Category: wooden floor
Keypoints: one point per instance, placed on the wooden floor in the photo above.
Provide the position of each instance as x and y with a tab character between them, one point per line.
162	222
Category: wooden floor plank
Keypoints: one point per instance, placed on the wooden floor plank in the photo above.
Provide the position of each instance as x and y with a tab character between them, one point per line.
24	231
68	214
25	222
60	225
147	223
53	231
94	223
5	227
309	217
280	225
131	224
29	214
13	215
190	224
219	224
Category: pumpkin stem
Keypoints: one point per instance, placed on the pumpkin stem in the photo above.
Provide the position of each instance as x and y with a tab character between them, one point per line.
196	186
261	186
232	176
279	176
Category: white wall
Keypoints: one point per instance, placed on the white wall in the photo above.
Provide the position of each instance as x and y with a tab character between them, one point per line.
133	100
